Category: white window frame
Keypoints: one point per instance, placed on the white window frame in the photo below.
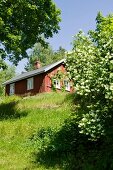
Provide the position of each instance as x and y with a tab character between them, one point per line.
30	83
67	85
57	83
12	89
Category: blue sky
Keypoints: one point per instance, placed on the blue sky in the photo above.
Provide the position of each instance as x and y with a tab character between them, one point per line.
76	15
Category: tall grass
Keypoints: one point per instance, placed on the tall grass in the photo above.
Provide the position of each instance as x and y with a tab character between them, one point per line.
22	118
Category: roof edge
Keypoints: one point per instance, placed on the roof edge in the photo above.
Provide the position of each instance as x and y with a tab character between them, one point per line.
50	66
13	81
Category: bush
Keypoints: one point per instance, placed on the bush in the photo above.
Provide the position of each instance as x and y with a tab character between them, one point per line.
68	149
92	76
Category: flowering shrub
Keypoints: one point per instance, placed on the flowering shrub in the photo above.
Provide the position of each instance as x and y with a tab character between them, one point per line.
92	75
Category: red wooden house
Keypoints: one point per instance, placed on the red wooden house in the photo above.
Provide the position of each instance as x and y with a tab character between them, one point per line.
40	80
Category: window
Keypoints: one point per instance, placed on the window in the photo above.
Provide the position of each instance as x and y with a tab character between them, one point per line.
67	85
12	89
30	83
56	83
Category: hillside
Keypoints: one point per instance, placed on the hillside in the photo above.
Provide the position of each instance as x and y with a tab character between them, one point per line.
20	122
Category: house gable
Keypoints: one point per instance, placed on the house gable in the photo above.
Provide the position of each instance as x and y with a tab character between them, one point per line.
34	72
31	83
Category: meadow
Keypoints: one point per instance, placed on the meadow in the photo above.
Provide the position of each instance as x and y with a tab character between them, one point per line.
22	121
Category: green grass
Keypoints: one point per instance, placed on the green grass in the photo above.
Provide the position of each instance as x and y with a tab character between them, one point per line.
20	119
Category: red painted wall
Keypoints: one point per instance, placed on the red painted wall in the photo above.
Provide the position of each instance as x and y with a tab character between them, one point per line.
50	74
21	86
42	83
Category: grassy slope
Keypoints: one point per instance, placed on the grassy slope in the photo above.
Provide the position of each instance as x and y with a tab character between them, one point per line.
41	111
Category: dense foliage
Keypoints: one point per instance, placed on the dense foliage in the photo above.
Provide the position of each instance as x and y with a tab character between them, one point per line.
45	55
85	140
4	76
23	23
91	69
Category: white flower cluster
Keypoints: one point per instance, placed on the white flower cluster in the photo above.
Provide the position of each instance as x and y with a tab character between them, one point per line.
92	75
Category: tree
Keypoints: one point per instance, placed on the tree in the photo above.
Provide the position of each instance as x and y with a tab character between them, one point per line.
6	75
45	55
41	54
103	35
91	69
23	23
59	54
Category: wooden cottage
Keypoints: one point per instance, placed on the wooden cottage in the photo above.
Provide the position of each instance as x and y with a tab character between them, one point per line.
42	79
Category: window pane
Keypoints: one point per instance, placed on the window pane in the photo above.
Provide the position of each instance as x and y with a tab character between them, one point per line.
67	85
12	89
56	83
30	84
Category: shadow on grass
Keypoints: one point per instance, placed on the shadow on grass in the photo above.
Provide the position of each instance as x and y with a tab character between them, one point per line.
10	111
67	149
61	151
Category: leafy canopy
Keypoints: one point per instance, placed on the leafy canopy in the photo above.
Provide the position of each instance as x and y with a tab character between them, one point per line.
23	23
45	55
91	69
5	75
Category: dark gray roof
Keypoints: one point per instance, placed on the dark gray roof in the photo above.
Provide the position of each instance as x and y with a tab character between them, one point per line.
34	72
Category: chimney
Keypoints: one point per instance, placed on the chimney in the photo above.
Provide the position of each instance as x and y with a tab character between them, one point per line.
37	64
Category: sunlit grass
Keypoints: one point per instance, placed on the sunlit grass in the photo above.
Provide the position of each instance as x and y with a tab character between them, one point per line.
29	115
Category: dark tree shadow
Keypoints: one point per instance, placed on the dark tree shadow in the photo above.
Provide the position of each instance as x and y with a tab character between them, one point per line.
62	149
70	150
10	111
